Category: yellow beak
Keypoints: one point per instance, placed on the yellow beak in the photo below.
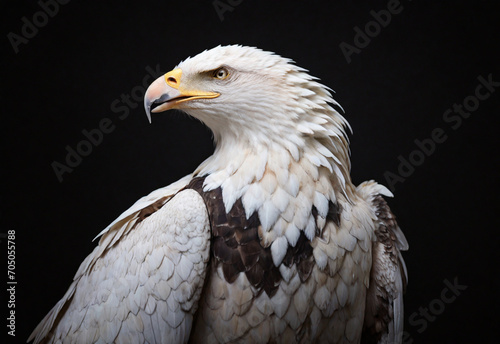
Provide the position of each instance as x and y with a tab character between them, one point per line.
166	93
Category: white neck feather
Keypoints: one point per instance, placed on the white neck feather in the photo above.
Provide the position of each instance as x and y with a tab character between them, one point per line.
280	146
291	163
293	140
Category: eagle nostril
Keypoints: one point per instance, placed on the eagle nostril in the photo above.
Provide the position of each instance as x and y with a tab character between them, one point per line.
172	80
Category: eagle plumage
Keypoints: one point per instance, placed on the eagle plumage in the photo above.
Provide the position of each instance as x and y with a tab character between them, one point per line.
267	241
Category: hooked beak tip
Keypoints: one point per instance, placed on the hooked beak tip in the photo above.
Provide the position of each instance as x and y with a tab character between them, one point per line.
147	108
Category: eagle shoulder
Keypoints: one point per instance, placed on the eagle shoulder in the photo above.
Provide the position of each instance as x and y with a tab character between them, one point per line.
145	286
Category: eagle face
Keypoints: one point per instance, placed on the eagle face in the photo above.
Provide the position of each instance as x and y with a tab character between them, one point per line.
243	92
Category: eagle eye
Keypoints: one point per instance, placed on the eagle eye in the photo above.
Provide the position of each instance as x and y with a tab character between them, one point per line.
221	73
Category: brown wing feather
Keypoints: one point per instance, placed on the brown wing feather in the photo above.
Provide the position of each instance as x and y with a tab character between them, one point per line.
384	305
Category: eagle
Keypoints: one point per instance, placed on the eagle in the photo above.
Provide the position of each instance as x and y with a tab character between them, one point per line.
267	241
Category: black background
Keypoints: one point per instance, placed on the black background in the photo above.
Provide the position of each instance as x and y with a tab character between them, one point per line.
394	91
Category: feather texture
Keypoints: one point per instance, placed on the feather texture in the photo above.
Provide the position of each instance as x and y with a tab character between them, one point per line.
384	305
267	241
155	307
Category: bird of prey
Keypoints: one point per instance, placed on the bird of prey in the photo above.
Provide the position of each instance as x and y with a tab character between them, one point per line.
267	241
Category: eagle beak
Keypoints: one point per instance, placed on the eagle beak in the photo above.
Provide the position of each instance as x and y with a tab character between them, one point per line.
166	93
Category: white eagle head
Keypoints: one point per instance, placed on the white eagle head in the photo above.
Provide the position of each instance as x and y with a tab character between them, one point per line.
262	109
249	95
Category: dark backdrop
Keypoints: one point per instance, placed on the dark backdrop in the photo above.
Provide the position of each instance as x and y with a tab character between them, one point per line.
65	72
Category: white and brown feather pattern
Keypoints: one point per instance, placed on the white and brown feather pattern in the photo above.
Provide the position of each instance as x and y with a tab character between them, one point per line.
236	244
315	294
384	305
